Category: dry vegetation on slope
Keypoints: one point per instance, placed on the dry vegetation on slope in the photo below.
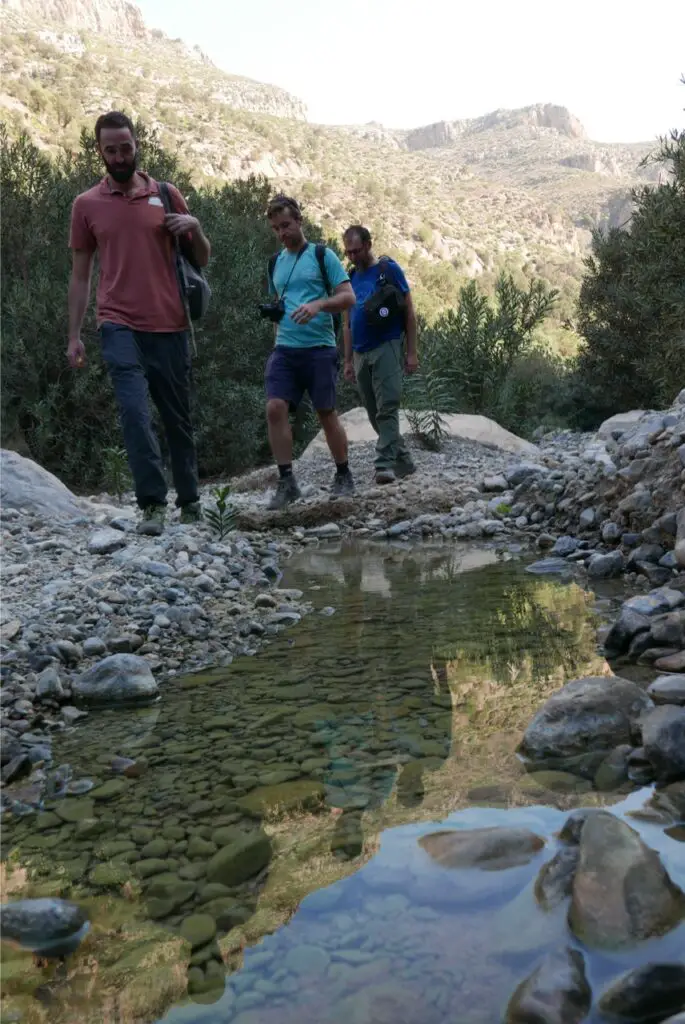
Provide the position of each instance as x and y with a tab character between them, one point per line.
516	189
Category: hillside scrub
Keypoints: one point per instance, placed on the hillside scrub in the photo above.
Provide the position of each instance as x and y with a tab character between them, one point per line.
67	418
485	356
631	312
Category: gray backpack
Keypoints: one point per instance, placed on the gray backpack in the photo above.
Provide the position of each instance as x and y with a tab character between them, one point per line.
192	284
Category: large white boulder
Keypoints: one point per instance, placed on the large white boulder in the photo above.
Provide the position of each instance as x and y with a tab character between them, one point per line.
621	421
457	425
26	485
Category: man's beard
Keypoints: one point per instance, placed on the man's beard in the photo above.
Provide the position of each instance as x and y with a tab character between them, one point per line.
122	173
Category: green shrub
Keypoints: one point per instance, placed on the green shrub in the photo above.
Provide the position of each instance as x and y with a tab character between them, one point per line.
631	312
68	418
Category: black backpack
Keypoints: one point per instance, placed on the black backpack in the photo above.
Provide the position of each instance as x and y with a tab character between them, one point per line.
386	304
320	252
192	284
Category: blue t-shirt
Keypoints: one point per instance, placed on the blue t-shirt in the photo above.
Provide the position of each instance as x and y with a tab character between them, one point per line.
305	285
365	283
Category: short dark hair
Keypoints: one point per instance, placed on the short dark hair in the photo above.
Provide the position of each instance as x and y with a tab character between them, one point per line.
281	204
363	233
114	119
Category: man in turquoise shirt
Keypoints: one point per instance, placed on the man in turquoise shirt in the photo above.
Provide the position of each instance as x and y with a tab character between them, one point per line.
305	356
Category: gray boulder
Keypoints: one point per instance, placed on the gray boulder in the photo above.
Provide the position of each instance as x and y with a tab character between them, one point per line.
606	567
555	880
622	894
548	567
587	518
597	713
518	474
611	533
656	602
49	684
646	993
48	926
490	849
104	542
668	689
679	549
669	630
668	802
628	625
645	553
118	679
557	992
663	739
25	484
564	546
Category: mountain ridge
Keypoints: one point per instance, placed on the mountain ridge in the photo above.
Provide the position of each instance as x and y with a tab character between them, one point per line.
519	189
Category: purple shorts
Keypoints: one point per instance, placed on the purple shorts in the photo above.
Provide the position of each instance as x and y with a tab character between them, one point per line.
292	371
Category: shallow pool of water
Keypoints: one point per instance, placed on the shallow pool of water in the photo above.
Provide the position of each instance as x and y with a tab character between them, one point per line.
397	704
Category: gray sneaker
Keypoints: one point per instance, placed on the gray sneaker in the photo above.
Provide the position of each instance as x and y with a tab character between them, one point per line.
385	476
191	513
343	485
286	492
152	523
404	467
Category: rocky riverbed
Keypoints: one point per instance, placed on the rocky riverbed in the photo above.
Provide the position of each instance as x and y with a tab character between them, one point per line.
265	798
87	603
96	618
599	490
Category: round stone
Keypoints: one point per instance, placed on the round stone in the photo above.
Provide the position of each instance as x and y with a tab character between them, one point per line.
198	929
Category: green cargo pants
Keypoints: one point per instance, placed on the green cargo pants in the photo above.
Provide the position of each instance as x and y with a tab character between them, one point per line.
379	379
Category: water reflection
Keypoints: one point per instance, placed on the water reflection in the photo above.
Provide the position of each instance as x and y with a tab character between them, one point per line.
404	940
393	710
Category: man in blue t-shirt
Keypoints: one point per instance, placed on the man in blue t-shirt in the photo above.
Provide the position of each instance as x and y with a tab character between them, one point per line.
373	354
305	356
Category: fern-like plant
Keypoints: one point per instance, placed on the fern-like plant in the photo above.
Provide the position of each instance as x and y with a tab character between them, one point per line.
222	517
426	397
117	476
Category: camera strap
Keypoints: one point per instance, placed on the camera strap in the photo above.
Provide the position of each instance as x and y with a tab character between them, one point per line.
292	270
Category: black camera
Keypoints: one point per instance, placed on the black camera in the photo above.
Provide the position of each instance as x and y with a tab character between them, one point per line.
273	311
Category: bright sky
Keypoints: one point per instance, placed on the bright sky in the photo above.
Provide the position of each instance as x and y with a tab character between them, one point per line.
616	65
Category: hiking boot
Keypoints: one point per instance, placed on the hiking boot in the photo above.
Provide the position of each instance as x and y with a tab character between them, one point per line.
191	513
286	492
385	476
343	485
152	523
404	467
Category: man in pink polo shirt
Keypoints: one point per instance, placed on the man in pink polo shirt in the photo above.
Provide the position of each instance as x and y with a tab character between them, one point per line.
140	314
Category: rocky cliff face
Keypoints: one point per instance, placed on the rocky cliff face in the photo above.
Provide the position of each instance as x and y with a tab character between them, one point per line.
63	23
542	115
118	18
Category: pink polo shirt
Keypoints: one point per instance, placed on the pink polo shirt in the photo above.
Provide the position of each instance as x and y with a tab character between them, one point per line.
137	287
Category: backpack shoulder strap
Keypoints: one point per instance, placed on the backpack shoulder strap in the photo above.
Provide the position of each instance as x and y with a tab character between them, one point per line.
386	269
321	260
165	196
272	267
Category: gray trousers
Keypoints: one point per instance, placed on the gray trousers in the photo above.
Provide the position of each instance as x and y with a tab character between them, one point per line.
379	379
146	365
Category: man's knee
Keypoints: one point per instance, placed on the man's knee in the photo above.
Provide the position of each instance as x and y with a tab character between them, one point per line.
328	418
132	399
388	409
276	411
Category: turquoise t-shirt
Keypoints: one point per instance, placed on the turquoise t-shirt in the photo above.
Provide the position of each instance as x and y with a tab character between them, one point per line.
305	285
